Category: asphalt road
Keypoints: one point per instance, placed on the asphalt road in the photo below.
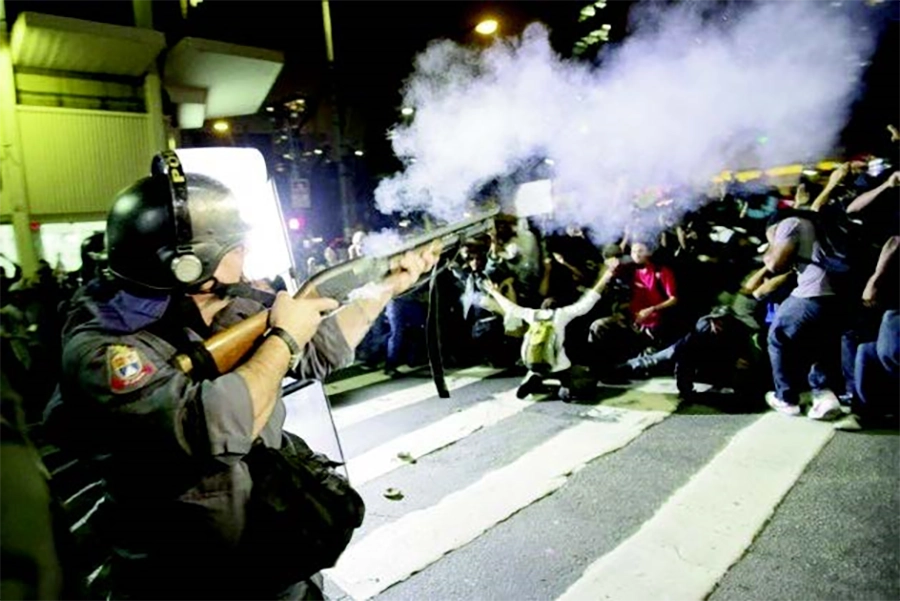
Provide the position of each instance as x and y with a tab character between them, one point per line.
627	495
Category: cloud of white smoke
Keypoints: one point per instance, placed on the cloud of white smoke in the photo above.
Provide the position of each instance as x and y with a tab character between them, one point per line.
684	97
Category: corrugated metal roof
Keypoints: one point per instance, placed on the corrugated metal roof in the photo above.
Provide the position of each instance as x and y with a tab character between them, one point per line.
77	160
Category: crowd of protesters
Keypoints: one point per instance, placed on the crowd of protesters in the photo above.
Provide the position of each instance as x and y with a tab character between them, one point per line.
732	292
785	296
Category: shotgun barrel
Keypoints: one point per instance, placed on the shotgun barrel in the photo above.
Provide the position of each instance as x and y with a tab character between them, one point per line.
228	347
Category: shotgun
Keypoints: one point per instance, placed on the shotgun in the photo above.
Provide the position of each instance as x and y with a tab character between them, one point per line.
230	346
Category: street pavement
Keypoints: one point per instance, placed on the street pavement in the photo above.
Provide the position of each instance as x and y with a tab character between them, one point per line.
627	495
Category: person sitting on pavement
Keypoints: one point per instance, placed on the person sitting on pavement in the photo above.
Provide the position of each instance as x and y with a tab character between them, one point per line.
647	322
719	350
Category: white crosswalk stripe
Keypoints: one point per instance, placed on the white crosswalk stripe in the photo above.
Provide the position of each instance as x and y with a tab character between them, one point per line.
415	445
426	535
683	551
349	415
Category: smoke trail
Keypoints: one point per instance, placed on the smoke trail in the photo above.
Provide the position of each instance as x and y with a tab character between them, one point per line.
686	96
382	243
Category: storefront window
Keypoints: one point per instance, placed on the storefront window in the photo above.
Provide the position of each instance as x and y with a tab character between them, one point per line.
8	248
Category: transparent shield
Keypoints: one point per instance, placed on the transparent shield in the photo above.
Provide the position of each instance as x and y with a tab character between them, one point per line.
309	417
244	171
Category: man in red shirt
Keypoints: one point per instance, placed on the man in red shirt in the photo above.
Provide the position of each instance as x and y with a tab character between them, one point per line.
645	324
653	290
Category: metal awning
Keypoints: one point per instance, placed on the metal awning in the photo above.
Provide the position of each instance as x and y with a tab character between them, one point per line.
236	79
65	44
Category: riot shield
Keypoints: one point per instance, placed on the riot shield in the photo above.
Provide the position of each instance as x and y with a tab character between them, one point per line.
244	171
309	417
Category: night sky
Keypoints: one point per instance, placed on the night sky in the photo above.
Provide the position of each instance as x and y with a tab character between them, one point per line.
375	43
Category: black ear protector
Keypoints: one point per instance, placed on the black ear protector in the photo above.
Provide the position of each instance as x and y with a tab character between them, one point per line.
185	265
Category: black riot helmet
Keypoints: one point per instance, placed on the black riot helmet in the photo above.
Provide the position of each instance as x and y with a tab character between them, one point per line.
169	231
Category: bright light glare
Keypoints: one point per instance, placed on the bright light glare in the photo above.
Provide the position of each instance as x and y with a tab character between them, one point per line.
407	111
534	198
317	151
220	126
243	170
487	27
294	223
358	153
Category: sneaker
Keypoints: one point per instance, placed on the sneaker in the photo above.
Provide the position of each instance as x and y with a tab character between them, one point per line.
640	362
565	395
780	406
826	406
528	386
848	423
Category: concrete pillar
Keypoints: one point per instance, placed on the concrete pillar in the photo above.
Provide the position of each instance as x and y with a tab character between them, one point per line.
143	13
156	124
13	189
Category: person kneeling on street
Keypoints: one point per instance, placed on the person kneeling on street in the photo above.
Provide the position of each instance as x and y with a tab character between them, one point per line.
543	348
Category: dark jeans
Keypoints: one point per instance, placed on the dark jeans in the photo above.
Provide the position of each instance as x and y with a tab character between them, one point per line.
710	355
614	340
877	372
864	329
371	350
405	344
804	342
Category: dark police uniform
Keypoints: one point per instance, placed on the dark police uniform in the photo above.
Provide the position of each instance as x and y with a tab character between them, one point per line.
169	447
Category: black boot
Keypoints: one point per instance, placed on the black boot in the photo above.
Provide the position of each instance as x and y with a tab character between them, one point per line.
530	385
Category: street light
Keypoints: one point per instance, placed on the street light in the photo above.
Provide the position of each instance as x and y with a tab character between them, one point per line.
407	111
220	126
487	27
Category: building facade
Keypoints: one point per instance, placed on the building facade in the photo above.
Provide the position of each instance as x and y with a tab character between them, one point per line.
84	106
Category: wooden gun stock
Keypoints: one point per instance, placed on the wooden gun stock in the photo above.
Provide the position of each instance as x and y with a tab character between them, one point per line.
229	347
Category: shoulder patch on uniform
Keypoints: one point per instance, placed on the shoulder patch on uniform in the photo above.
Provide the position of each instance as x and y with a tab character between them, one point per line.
127	367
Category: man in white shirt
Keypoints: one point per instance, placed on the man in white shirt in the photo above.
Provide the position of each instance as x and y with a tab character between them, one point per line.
558	319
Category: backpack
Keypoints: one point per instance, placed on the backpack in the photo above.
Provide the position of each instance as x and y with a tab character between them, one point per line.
540	346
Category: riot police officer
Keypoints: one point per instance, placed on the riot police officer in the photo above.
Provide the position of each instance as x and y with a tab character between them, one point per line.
169	445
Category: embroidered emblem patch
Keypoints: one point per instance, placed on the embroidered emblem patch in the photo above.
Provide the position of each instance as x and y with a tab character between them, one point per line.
126	367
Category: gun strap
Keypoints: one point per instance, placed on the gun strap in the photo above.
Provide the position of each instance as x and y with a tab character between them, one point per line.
433	337
205	367
183	313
